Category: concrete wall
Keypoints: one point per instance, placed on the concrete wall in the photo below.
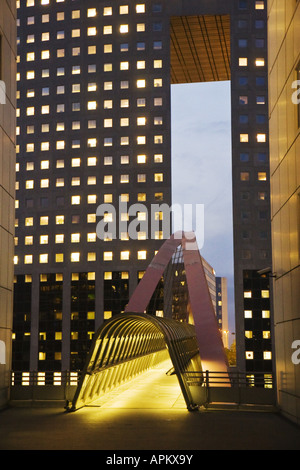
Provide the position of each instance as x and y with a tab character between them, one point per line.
7	186
284	57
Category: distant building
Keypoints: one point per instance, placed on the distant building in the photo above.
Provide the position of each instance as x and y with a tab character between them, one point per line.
284	111
222	308
8	25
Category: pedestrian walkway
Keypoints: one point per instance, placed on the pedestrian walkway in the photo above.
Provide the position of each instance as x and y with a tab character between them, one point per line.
150	414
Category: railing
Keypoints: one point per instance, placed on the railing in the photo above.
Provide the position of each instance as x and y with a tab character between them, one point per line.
207	388
232	378
235	388
33	387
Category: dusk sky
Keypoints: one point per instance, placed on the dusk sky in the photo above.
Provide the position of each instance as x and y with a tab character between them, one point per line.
201	156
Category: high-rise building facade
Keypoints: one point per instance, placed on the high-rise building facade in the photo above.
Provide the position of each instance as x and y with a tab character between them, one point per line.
8	53
284	82
94	128
222	308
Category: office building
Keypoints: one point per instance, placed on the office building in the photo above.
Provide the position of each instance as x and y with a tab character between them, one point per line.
222	308
284	76
7	187
94	128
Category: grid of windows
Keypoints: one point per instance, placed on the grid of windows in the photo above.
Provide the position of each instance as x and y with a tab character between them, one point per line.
91	121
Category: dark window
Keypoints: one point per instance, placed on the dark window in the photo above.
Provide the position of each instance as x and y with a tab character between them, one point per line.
157	8
243	42
244	157
259	42
243	81
244	119
260	81
260	118
243	4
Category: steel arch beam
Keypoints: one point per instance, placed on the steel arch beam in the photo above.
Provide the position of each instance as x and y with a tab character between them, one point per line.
209	339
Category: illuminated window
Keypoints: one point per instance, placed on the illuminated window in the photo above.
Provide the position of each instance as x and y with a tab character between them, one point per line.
75	257
107	255
141	83
91	237
142	254
157	64
75	200
44	239
124	255
92	199
124	28
107	315
141	121
261	137
265	294
29	240
259	5
59	238
243	61
29	184
260	62
92	31
266	334
107	11
244	138
265	314
28	259
141	158
44	258
247	294
44	220
60	219
158	177
248	334
249	354
140	27
108	179
262	176
244	176
140	8
267	355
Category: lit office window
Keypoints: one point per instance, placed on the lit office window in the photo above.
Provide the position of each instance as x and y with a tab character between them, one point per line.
92	12
249	355
260	62
142	255
124	255
259	5
267	355
43	258
107	255
243	61
75	257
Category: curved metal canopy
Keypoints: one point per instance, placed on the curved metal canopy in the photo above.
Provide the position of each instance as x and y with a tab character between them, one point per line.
131	343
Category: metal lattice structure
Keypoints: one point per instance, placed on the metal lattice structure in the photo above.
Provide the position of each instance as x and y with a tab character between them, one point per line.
133	342
130	344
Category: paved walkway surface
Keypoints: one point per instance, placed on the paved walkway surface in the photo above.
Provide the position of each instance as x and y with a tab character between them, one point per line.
149	415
